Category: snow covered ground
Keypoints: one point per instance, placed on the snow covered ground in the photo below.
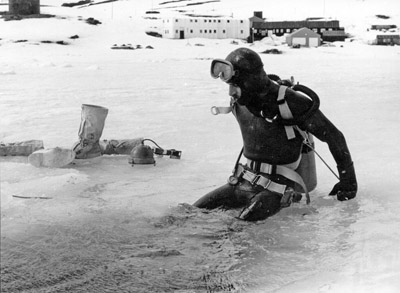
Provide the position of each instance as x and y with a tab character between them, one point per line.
110	227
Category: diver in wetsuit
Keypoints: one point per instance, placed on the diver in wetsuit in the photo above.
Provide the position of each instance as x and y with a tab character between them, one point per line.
272	151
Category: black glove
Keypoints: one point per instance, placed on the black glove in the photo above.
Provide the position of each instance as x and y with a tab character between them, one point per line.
261	206
347	187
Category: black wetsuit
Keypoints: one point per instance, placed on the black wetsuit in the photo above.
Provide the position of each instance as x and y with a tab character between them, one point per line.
267	142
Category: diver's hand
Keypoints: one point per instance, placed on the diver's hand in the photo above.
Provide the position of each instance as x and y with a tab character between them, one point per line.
261	206
344	191
346	188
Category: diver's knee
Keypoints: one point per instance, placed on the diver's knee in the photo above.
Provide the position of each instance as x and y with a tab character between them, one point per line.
216	198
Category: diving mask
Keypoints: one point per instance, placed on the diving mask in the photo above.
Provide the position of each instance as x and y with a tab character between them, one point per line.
223	69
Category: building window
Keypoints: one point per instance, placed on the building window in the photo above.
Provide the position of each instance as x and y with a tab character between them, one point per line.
228	21
191	20
176	20
215	31
241	31
241	21
205	20
191	31
219	20
176	31
214	20
195	20
223	31
209	20
201	31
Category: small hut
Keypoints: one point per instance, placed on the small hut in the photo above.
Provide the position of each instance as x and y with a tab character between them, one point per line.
304	37
24	7
388	39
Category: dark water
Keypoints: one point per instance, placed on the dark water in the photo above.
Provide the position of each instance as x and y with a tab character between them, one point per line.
186	250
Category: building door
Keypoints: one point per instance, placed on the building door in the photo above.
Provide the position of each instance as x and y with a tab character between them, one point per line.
299	41
181	34
313	42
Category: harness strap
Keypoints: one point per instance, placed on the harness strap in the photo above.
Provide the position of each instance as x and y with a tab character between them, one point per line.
268	168
283	171
295	177
287	114
258	179
285	111
264	182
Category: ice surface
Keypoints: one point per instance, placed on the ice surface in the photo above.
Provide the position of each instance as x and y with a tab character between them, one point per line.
103	225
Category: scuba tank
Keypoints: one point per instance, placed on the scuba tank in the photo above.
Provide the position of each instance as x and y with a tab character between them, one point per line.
307	167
